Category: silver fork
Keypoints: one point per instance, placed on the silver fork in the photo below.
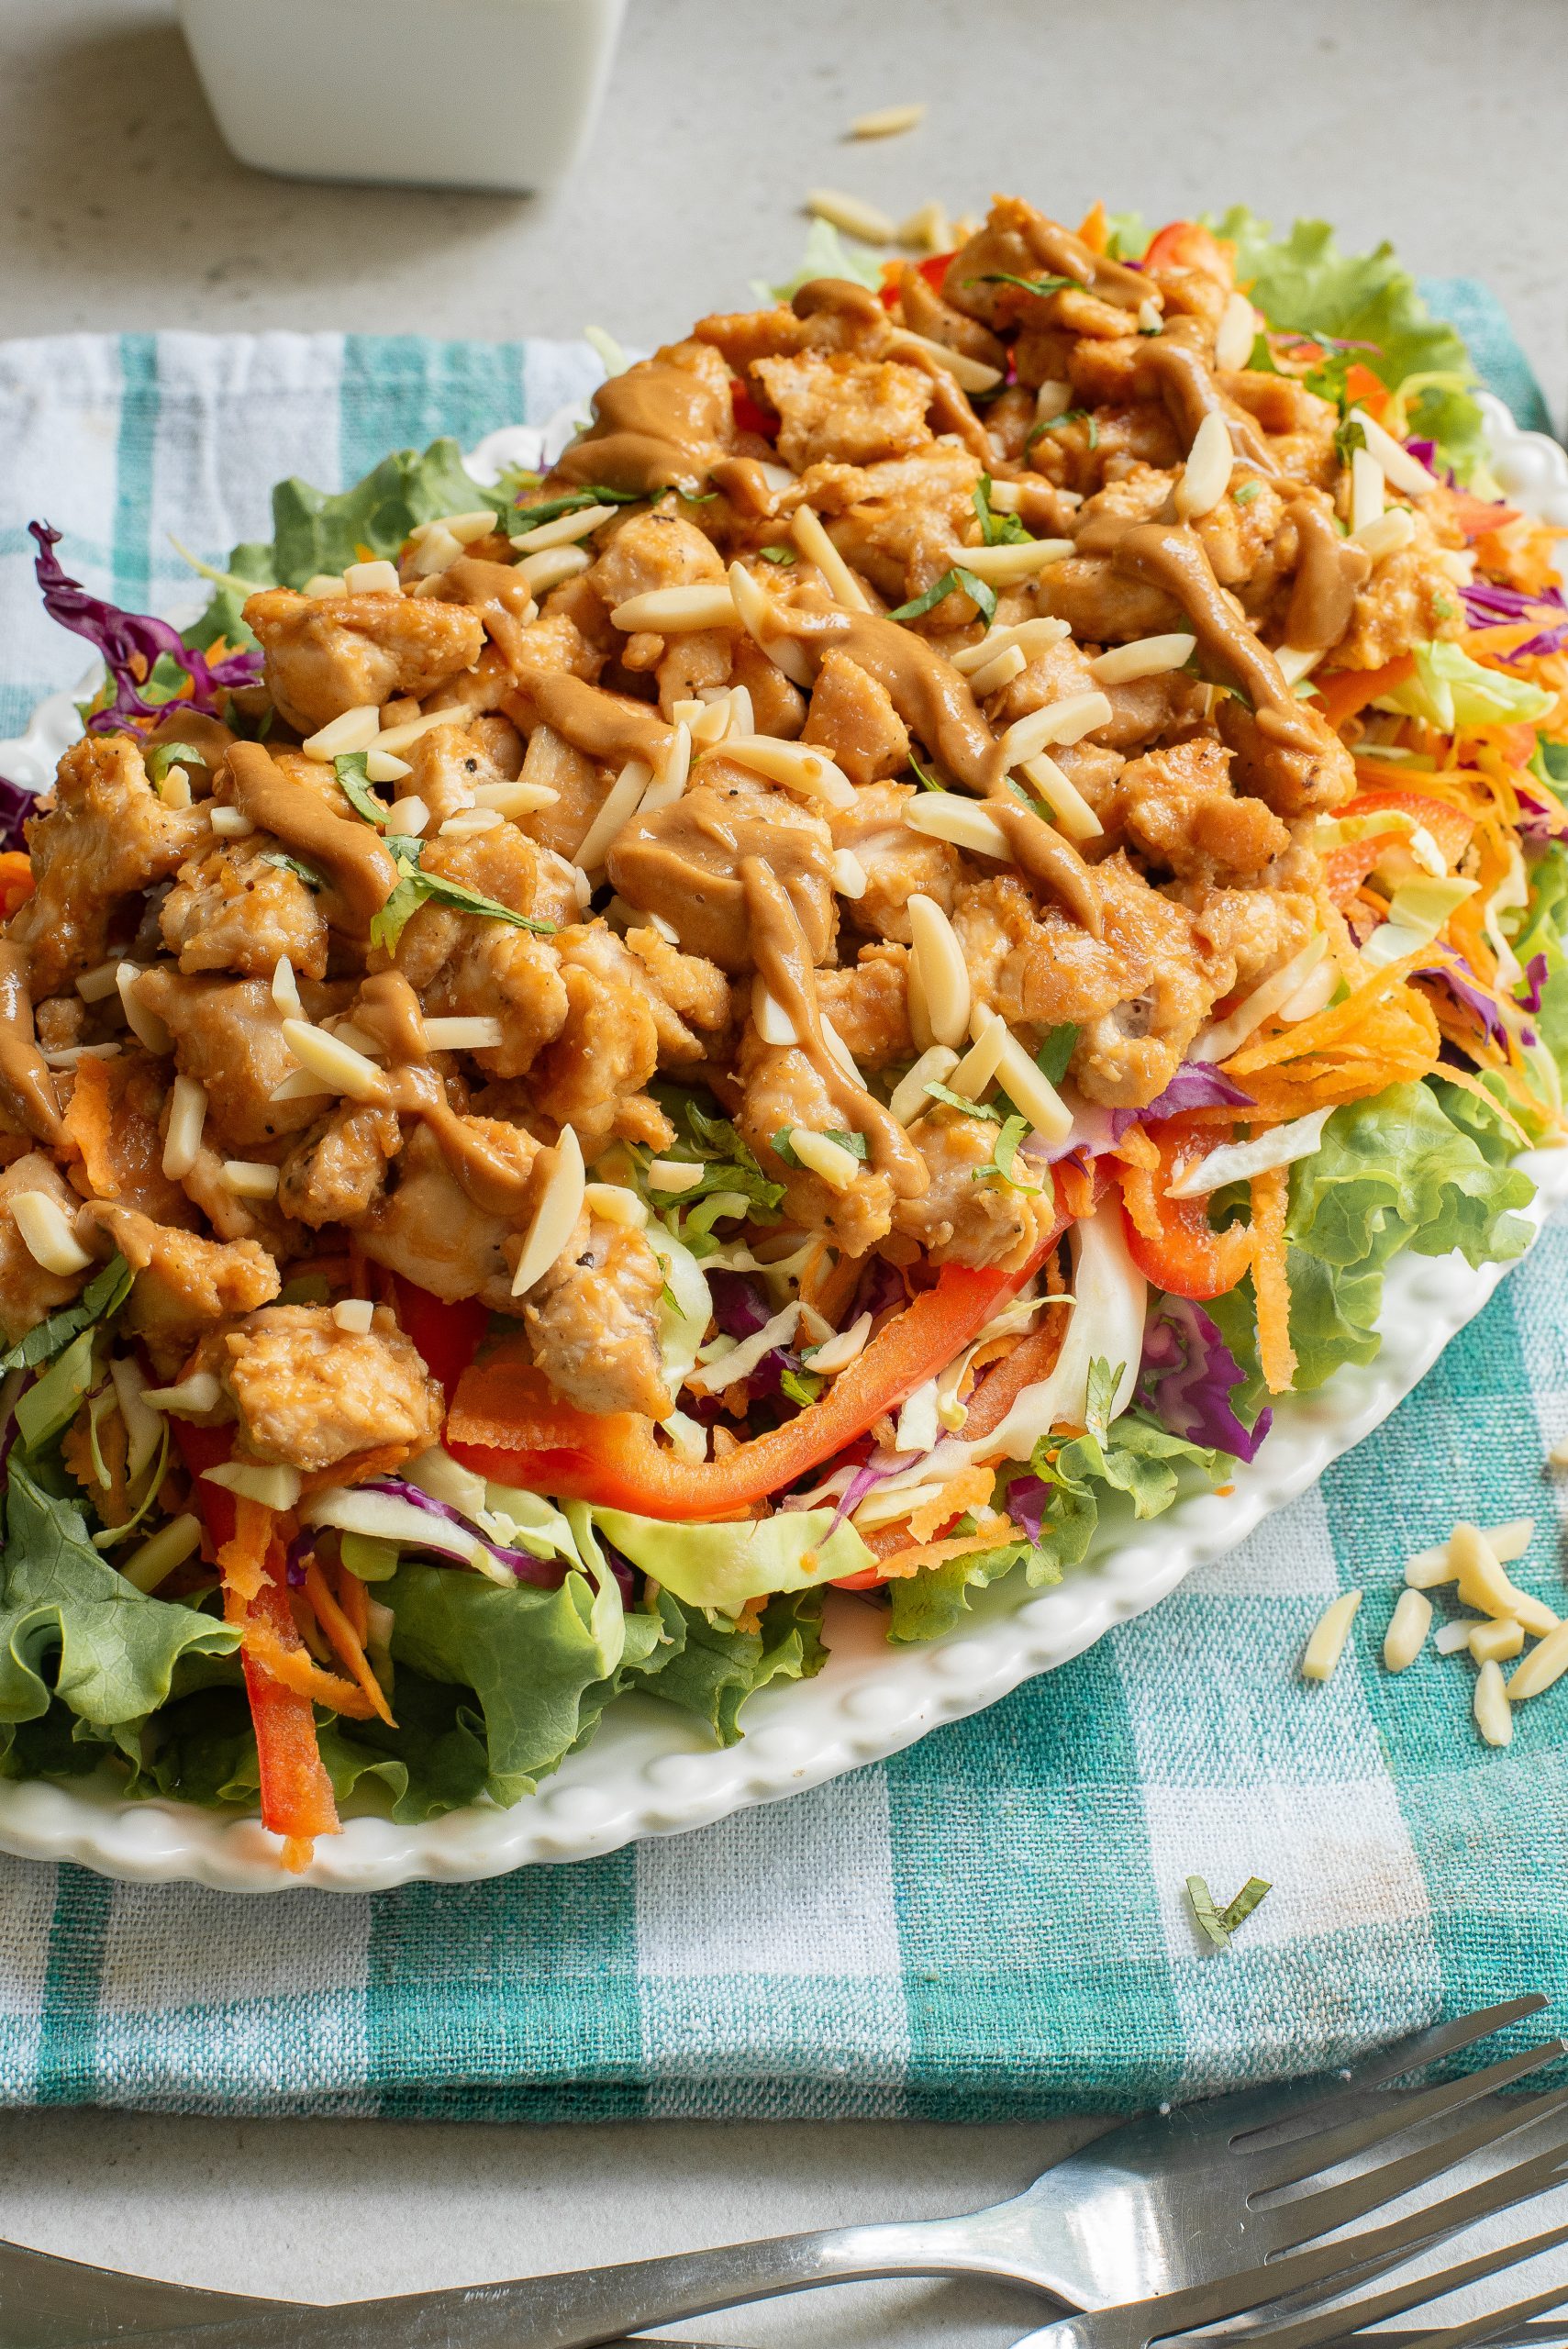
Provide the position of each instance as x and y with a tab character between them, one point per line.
1269	2297
1052	2237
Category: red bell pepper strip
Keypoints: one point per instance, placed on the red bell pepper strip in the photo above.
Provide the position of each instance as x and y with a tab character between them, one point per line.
297	1802
1185	244
446	1332
509	1423
1171	1242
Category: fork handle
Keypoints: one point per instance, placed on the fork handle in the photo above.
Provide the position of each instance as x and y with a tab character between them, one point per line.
577	2311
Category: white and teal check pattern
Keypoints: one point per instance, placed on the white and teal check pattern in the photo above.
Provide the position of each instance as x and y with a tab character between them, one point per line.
991	1923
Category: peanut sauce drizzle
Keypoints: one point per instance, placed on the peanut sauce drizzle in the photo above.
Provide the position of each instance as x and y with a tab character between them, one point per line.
930	696
24	1072
599	724
389	1007
784	960
1330	571
684	862
657	427
360	872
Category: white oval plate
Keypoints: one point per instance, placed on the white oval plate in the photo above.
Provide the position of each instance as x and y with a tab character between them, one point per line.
646	1773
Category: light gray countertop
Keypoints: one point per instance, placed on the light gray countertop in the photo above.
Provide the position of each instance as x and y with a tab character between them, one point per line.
1439	125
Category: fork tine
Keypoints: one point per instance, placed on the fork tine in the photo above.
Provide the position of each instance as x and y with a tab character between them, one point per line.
1334	2205
1271	2107
1513	2320
1303	2156
1332	2324
1327	2269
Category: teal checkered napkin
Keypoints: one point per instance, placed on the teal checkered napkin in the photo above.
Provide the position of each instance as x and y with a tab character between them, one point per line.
990	1923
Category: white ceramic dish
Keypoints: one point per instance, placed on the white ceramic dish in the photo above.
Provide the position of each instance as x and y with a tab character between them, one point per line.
645	1773
380	89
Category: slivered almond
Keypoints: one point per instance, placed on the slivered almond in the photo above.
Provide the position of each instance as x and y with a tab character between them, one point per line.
1150	656
625	798
809	536
553	567
1067	804
1066	722
556	1216
1236	333
837	1167
1205	476
335	1063
755	609
1029	636
47	1234
909	1098
353	729
798	766
1004	566
674	611
944	977
565	530
182	1136
855	217
943	816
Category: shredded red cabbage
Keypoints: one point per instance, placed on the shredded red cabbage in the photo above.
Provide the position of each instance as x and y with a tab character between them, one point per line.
1535	977
858	1486
1187	1379
547	1573
1456	974
738	1307
16	806
1025	1503
131	644
1486	605
296	1557
1537	826
1197	1084
1425	453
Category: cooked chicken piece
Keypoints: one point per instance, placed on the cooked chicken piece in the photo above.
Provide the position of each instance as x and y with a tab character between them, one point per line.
826	314
648	550
852	719
1239	539
900	524
840	409
336	1171
593	1321
778	705
28	1294
1141	710
310	1396
471	965
898	864
1136	994
1408	600
114	1122
693	661
59	1022
328	653
1240	935
1102	607
500	596
1293	782
237	909
926	312
591	1076
1177	806
1300	426
690	997
449	762
232	1217
967	1218
184	1284
107	837
780	1089
581	785
427	1228
869	1006
229	1035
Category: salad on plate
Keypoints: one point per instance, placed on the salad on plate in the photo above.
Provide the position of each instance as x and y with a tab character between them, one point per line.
837	991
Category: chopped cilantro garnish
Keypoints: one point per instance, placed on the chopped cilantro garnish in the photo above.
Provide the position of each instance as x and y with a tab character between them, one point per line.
1348	438
948	585
1056	1052
414	886
1042	286
1219	1925
1003	1162
997	530
529	517
1442	608
960	1101
164	755
314	882
103	1296
927	782
802	1387
1245	492
1056	424
778	554
353	782
854	1144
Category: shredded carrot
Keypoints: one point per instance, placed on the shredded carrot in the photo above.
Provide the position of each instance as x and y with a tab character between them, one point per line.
971	1489
382	1459
895	1564
292	1669
354	1600
340	1631
1338	1022
242	1560
1136	1148
1271	1197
